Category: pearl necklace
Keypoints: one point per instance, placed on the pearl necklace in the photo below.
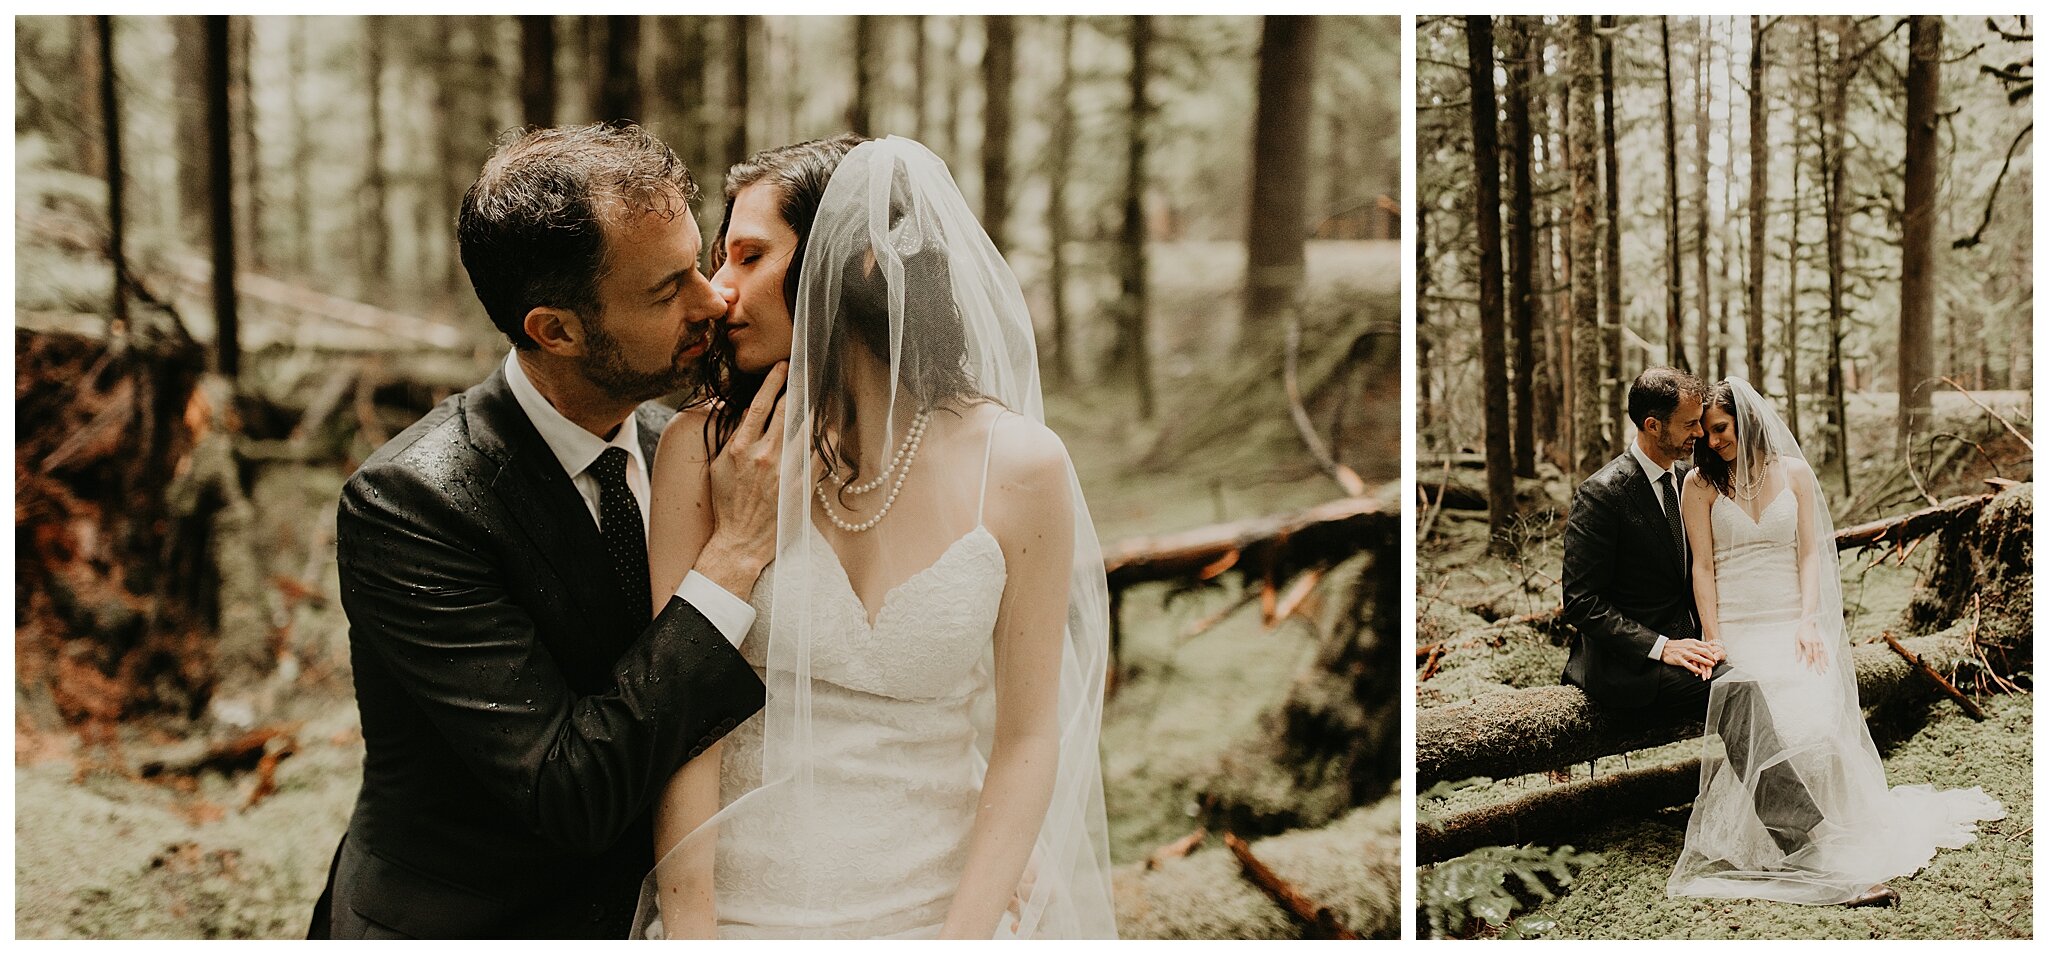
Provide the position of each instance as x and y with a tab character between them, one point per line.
1749	491
905	455
910	440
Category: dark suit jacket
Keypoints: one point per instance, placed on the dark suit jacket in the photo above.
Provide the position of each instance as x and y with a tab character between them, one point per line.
520	714
1625	584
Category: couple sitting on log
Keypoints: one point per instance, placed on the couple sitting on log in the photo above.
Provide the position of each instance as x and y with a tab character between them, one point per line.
1712	590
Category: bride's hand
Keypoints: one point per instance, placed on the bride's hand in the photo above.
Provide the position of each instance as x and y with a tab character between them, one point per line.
1811	651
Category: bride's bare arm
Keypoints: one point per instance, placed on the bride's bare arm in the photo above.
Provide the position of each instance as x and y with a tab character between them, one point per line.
1695	507
1030	510
680	520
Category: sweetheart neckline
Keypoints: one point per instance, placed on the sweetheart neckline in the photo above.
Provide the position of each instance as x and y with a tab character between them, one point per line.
1757	521
871	620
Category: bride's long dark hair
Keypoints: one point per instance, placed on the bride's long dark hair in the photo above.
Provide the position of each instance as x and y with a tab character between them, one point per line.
1709	463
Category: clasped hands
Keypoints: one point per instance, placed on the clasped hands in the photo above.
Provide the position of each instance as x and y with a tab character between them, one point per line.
1695	656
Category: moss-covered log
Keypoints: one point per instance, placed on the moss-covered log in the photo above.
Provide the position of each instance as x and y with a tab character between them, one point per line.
1544	728
1271	548
1983	578
1554	810
1352	866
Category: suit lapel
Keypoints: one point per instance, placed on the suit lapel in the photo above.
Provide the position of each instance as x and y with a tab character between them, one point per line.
1649	511
540	497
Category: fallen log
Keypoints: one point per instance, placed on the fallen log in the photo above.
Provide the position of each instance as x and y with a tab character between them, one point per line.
1558	810
1352	866
1261	548
1905	527
1458	492
1535	730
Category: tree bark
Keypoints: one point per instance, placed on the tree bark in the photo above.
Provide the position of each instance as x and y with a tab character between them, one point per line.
1789	329
298	65
1588	411
242	110
998	67
1521	244
1759	195
1493	359
110	129
374	265
739	36
537	70
1612	372
860	109
1276	234
1132	351
1674	285
618	96
920	76
1834	176
195	202
1917	263
1703	54
220	167
1553	412
1056	227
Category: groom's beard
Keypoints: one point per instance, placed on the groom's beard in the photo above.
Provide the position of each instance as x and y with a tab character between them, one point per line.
606	367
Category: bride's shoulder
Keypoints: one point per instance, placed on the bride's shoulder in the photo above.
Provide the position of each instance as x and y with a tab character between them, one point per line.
1019	443
687	436
1796	467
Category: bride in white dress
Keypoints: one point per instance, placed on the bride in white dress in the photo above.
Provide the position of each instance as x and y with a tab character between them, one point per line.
1768	592
933	631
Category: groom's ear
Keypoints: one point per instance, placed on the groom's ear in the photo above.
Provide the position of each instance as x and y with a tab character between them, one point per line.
557	331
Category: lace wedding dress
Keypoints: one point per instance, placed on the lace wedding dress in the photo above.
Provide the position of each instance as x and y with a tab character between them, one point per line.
891	710
1804	717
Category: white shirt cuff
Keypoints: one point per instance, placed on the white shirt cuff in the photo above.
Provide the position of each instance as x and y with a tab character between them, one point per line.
1656	649
731	615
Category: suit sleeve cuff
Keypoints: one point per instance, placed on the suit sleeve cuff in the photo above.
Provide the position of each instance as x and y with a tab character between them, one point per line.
1656	649
731	615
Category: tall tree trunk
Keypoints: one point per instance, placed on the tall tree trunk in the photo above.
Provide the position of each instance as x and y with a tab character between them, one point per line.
1425	404
298	65
998	66
1056	198
1703	54
679	56
740	35
1917	262
374	264
242	106
1275	259
1561	280
1493	358
110	130
221	180
1790	328
1833	165
195	202
1553	415
1521	243
1759	194
1585	73
618	95
1730	238
1612	374
1132	350
1674	285
537	70
860	109
921	77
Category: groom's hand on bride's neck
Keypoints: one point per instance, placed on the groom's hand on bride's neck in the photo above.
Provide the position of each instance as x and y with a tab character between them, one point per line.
745	482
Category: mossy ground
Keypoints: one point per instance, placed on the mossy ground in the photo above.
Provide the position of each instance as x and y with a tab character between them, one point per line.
1984	890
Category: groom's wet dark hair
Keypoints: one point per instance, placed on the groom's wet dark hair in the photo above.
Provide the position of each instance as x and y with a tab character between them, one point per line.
1657	392
532	227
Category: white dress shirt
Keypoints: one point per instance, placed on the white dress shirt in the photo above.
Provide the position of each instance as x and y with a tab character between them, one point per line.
1655	474
577	449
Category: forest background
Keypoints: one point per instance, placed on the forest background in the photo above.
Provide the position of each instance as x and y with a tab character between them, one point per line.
1839	209
235	277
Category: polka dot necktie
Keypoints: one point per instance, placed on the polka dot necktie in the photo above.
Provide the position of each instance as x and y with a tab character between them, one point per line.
625	537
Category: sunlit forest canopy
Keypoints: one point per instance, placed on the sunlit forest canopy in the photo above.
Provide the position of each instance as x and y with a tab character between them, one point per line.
1733	195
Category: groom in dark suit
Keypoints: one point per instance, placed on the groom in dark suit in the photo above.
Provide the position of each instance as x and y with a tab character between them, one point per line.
1628	595
520	711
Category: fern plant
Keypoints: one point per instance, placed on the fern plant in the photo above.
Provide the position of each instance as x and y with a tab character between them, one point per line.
1475	886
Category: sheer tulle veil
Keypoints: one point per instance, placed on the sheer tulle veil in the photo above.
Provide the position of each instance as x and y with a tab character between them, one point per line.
903	306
